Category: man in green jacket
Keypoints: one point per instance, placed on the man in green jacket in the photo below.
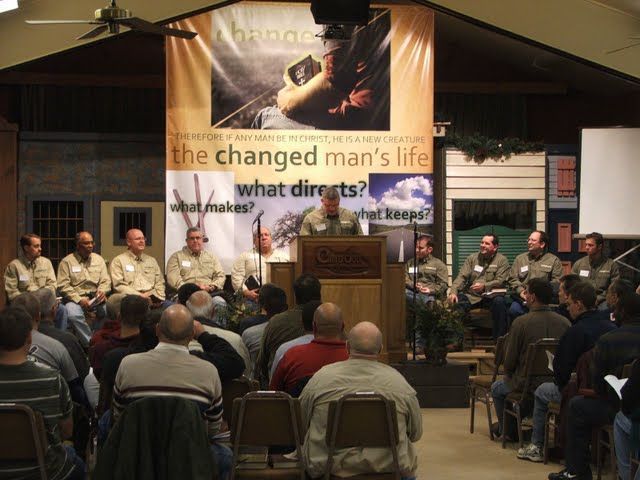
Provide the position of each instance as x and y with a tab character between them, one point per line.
481	273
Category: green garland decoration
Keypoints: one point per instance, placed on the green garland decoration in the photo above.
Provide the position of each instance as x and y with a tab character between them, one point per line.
479	148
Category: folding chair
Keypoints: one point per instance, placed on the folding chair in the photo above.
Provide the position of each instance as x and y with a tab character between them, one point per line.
267	419
480	386
536	366
23	438
236	388
362	420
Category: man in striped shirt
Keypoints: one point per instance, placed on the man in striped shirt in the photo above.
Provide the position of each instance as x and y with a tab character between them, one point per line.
169	370
42	389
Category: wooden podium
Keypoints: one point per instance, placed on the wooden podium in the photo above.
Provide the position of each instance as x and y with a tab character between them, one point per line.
355	276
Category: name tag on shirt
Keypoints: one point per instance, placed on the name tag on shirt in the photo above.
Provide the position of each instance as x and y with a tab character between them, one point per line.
524	269
24	278
76	268
321	227
129	268
186	263
584	273
345	224
478	268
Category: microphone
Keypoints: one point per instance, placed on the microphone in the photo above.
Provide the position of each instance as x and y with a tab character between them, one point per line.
260	213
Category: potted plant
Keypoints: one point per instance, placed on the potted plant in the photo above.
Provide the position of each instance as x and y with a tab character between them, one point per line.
439	324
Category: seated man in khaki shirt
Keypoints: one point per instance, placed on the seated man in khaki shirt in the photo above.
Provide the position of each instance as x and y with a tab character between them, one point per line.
135	273
30	272
84	282
194	264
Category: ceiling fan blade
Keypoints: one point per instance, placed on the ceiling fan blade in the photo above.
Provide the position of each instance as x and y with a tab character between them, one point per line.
94	32
61	22
142	25
622	48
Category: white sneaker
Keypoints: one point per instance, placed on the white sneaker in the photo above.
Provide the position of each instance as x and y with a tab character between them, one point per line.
530	452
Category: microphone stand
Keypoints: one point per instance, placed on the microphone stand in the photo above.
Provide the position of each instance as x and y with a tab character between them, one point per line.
259	253
415	287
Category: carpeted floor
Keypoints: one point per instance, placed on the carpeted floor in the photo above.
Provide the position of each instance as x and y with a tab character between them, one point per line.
448	451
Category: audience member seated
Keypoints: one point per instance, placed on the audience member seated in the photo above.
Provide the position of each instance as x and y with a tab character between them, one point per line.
539	323
273	301
111	324
307	322
42	389
270	299
49	351
136	273
147	340
169	369
566	283
537	262
628	415
595	268
301	362
48	306
618	289
479	275
589	325
133	309
220	342
361	372
84	282
586	412
285	326
246	265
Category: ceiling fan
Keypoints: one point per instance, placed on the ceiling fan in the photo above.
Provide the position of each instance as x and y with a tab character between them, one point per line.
111	18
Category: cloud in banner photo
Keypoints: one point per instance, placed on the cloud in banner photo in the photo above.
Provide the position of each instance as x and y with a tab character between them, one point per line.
271	71
395	202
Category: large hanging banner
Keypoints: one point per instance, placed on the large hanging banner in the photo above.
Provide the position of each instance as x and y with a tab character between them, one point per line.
263	114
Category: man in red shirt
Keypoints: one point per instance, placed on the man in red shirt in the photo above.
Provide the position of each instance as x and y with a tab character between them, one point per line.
328	346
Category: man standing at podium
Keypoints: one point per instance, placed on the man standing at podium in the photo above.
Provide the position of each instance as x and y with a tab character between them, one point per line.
331	218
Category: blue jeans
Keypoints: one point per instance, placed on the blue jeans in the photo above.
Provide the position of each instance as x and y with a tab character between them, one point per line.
499	392
621	437
224	460
420	297
515	310
79	472
498	309
61	320
79	323
271	118
545	393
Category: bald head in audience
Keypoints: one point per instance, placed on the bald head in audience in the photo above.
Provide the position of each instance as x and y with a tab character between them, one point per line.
176	325
327	322
200	304
364	341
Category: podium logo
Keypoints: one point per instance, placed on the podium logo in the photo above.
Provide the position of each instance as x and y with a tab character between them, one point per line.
346	263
